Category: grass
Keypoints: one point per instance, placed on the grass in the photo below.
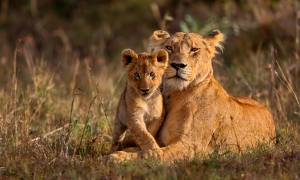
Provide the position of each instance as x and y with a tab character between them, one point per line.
56	111
48	131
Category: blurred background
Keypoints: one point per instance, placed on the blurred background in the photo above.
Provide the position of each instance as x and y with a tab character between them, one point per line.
59	29
63	31
60	64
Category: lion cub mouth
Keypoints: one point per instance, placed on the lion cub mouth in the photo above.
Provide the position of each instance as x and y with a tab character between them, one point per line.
147	94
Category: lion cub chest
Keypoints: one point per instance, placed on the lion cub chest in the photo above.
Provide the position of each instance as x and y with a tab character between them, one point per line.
148	110
153	109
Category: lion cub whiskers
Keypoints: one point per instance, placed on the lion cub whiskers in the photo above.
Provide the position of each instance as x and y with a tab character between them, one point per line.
140	111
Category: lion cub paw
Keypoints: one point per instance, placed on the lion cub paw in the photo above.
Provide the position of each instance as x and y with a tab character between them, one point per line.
121	156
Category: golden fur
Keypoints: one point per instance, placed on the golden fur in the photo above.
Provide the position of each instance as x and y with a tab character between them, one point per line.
201	117
140	107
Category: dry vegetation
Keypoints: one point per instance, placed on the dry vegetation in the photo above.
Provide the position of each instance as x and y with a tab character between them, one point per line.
60	79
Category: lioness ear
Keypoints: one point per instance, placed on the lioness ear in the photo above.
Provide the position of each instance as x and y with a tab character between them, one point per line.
162	57
159	35
128	56
215	39
157	38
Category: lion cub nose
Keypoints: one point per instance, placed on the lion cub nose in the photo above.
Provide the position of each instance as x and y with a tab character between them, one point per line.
145	90
178	65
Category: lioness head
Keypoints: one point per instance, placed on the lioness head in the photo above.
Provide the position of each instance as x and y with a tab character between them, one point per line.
190	56
145	70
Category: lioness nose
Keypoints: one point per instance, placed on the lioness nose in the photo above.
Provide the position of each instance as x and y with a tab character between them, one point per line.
178	65
145	90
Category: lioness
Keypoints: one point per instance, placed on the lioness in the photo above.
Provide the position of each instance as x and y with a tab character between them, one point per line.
140	107
201	117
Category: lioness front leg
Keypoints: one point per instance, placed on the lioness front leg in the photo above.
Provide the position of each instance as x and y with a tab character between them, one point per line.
174	152
186	149
141	135
185	146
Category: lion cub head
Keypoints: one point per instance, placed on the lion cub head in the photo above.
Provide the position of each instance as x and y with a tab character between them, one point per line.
190	56
145	70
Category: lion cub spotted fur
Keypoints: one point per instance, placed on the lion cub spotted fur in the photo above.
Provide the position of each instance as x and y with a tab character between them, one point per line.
140	108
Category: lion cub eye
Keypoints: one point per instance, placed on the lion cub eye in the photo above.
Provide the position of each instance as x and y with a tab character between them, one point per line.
152	75
169	48
136	76
194	50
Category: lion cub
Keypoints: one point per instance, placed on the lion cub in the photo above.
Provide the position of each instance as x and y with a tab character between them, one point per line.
140	108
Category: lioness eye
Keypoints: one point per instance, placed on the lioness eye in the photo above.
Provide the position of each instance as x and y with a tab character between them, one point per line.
152	75
137	76
194	49
169	48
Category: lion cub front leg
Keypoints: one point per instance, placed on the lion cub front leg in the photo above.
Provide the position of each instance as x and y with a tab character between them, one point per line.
140	134
118	130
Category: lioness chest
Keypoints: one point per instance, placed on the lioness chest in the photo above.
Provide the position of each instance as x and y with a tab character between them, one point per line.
177	109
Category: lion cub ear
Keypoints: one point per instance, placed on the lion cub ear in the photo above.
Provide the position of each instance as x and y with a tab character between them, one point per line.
128	56
157	38
215	39
162	58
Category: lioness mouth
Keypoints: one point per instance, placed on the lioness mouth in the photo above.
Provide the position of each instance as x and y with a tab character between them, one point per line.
178	77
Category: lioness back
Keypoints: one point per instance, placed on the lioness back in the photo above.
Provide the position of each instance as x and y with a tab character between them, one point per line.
140	110
244	123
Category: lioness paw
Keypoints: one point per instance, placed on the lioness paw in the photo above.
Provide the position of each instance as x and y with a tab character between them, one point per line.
154	153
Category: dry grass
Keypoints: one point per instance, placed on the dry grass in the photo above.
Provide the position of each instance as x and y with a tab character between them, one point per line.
49	131
56	114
